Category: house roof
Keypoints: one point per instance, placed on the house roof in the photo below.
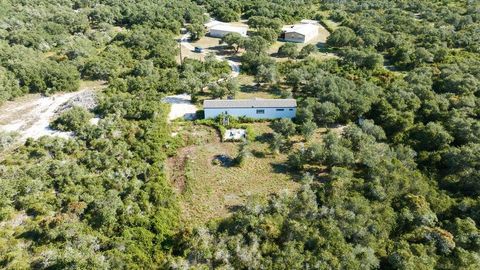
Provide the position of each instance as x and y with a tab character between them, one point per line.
249	103
212	23
307	21
228	28
304	29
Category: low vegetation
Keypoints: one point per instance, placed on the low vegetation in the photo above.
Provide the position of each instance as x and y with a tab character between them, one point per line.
221	176
381	162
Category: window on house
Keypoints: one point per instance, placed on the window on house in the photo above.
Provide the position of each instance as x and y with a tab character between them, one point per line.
260	111
290	109
280	110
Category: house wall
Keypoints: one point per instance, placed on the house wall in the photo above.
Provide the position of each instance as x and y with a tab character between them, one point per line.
269	113
294	37
297	37
221	33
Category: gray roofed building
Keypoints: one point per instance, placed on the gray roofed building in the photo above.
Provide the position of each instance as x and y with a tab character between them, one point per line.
250	103
302	33
222	29
253	108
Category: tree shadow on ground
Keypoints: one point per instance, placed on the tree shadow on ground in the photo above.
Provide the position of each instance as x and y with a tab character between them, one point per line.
248	88
235	208
223	160
283	168
221	50
321	46
233	57
258	154
264	138
280	168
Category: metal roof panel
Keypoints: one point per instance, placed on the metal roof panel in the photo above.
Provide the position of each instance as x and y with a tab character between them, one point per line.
249	103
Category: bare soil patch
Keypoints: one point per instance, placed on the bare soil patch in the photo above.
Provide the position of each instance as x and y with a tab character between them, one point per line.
30	116
176	168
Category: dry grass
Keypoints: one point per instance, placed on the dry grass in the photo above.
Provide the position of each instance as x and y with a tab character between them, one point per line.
324	56
256	94
214	191
187	53
94	85
207	42
249	89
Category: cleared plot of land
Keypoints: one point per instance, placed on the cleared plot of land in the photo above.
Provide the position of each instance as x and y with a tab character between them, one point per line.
180	107
209	44
30	116
212	189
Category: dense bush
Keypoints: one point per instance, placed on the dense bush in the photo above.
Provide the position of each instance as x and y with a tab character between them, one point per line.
73	119
102	195
395	192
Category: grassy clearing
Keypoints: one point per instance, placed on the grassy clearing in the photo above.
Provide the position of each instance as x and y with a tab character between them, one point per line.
207	42
209	191
255	94
94	85
214	191
249	89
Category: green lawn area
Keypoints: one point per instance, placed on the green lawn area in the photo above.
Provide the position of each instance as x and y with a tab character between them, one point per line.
212	191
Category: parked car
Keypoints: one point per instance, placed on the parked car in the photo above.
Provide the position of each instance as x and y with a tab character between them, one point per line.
198	49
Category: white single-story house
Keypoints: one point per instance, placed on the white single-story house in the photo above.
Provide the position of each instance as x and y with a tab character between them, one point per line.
211	23
302	33
221	29
252	108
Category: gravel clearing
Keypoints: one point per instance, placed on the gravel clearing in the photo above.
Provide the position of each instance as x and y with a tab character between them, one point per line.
31	117
180	106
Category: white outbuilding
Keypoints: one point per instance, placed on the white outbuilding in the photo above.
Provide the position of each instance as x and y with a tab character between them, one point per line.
221	29
301	33
252	108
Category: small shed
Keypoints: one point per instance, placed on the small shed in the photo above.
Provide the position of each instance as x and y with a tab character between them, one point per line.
234	134
222	29
301	33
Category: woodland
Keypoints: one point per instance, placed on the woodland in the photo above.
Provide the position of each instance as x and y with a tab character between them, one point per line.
398	188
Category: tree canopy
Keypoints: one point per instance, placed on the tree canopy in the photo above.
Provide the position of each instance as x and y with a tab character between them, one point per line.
385	145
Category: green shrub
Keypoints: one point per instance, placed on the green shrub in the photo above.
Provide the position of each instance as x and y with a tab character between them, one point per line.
72	120
244	154
6	139
250	133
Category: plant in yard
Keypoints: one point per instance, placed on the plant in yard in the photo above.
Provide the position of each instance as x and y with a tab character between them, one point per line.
243	154
307	50
289	50
284	126
307	129
276	143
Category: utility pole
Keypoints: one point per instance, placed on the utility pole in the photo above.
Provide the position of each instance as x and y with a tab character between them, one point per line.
180	45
